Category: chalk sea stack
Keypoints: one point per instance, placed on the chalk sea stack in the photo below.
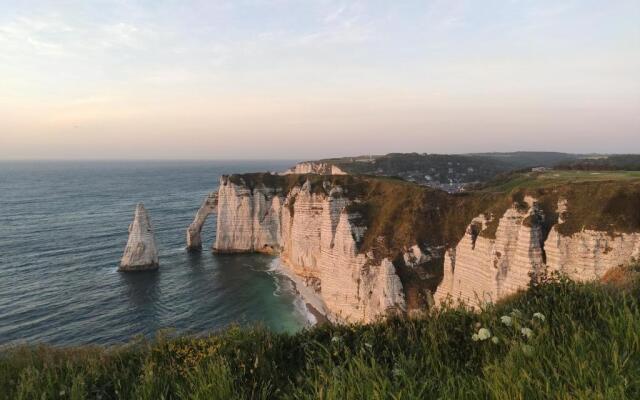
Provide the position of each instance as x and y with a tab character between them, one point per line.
141	252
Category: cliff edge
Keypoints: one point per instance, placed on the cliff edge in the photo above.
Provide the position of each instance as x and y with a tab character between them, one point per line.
370	246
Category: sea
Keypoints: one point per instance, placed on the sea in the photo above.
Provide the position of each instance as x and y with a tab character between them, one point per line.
63	229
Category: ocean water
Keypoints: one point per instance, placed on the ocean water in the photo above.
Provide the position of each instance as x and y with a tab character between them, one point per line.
63	228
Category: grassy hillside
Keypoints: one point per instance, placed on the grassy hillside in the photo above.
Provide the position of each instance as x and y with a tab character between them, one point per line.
535	180
559	340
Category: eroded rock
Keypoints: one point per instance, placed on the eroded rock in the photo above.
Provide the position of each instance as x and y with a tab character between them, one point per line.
141	252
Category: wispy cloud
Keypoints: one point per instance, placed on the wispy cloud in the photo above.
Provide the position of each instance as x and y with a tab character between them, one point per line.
341	25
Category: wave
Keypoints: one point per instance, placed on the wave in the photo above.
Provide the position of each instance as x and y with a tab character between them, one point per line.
274	268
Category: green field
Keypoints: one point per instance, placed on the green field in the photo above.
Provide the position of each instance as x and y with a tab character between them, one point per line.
559	340
534	180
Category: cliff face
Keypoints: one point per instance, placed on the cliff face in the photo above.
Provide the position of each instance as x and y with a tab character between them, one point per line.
316	237
248	218
311	167
320	240
370	247
481	269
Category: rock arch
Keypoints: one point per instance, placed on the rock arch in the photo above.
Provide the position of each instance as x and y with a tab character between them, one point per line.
208	207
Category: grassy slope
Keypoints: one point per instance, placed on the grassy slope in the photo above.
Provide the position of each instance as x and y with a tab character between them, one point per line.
604	200
556	178
587	347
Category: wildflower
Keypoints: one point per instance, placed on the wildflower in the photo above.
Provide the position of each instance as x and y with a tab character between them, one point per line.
505	319
527	349
526	332
484	334
516	313
540	316
475	337
495	340
336	339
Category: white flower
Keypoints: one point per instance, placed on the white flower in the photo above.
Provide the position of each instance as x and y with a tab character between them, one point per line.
495	340
526	332
475	337
505	319
336	339
540	316
516	313
484	334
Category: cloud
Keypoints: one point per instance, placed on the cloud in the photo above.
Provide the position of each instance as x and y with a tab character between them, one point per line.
42	35
342	25
123	34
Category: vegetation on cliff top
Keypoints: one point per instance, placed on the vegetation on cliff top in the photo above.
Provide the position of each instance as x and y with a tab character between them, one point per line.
604	201
559	339
398	214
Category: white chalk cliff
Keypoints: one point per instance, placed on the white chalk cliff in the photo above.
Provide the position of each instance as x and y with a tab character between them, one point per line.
141	252
315	237
313	167
318	238
208	207
481	269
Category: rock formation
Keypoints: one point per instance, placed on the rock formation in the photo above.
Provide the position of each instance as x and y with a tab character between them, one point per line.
320	236
481	269
141	252
312	167
317	238
209	206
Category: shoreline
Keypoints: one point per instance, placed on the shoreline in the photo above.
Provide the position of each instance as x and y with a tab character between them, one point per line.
313	303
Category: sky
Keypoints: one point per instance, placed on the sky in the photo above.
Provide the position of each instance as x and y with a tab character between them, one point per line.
293	79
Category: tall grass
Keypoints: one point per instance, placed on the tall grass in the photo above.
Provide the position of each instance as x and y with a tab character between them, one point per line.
584	344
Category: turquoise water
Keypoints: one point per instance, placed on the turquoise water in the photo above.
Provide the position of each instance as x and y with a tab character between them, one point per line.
63	227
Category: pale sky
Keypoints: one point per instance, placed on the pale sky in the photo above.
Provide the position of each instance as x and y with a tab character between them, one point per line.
163	79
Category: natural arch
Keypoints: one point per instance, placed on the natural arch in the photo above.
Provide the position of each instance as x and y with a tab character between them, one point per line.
208	207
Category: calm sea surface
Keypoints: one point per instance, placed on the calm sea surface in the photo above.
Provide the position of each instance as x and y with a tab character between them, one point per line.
63	228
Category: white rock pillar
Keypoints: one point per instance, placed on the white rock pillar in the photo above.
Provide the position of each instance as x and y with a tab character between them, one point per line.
141	252
208	207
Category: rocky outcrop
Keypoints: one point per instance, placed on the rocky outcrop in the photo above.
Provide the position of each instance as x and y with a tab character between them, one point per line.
589	254
481	269
249	219
208	207
359	276
317	238
311	167
141	252
320	242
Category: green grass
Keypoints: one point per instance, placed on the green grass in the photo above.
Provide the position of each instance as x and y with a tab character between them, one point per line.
588	346
536	180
